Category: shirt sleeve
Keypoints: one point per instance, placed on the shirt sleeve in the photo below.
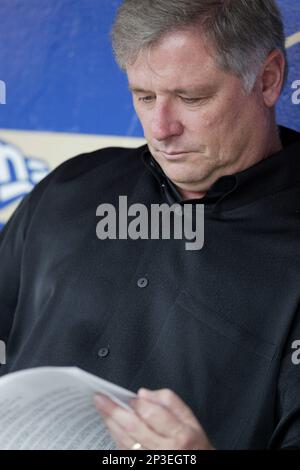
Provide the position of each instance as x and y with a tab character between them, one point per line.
11	244
12	239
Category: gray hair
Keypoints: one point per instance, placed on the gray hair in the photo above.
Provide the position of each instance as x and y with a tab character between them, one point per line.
242	32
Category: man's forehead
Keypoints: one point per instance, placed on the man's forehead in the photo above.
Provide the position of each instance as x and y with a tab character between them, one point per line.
193	74
176	53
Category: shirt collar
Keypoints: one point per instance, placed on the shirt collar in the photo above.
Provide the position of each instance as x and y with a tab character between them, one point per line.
265	177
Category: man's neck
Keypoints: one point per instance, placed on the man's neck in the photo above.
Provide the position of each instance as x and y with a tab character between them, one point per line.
190	194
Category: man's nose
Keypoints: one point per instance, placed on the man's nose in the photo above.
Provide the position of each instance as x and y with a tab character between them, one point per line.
165	123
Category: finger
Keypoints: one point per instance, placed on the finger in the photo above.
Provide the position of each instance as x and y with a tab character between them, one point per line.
130	422
158	417
107	406
172	402
120	436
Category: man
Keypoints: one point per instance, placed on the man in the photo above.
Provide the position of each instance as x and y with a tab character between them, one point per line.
204	336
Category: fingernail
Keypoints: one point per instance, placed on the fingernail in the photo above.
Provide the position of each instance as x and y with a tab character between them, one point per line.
132	402
100	401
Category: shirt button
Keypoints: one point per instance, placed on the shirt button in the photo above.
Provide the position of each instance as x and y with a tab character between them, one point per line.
103	352
142	282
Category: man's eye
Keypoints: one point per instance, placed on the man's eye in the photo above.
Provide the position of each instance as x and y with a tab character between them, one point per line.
190	100
146	99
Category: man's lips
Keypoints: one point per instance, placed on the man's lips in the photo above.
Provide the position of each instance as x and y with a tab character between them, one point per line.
178	152
201	149
173	155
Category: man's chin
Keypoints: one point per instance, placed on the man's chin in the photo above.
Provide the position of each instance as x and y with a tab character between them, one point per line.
184	181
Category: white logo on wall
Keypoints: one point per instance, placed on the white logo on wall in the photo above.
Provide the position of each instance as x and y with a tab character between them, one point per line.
18	174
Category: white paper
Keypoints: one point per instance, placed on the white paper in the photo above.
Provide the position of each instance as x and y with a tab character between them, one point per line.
51	408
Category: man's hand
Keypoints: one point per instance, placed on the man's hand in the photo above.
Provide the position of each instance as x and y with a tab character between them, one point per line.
160	420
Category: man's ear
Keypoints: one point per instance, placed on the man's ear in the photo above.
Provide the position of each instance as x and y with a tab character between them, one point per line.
272	77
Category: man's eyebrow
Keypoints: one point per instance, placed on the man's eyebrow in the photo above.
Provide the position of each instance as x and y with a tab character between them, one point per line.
199	90
138	90
191	90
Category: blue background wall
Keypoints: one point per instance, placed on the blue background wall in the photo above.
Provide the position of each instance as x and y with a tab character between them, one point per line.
56	60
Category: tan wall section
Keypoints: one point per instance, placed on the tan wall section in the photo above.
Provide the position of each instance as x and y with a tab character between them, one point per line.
54	148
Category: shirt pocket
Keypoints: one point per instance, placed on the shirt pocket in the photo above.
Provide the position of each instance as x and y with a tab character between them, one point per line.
219	369
219	323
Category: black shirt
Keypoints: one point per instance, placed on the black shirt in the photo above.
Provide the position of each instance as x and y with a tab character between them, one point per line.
214	325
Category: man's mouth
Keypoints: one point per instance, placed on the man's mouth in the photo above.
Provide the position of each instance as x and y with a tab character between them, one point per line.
174	155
